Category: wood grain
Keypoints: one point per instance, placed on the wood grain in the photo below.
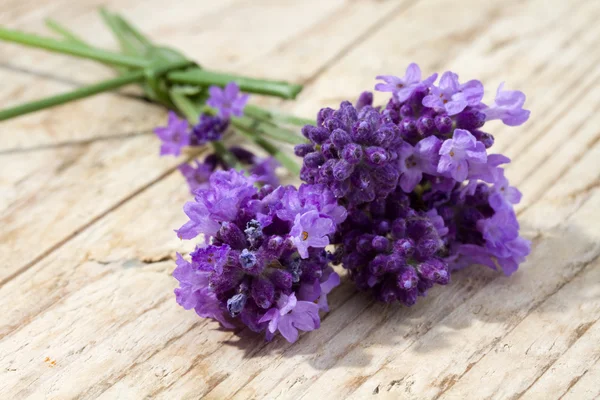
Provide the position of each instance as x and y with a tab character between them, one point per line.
87	211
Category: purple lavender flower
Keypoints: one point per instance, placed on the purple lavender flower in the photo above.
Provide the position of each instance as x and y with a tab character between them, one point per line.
410	177
193	292
229	190
460	151
414	161
318	290
197	175
452	96
174	136
508	107
291	315
229	101
264	170
403	87
254	259
211	258
356	156
503	195
209	128
311	230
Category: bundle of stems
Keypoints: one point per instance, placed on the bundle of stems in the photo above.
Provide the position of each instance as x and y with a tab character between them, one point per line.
168	78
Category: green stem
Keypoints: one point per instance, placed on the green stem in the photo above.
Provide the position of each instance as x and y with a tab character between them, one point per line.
280	117
134	31
80	93
74	49
127	46
64	32
256	122
250	85
270	148
131	77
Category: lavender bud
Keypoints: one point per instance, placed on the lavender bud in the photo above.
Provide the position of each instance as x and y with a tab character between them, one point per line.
340	138
376	155
408	129
275	243
245	156
326	170
230	234
342	170
263	292
315	134
427	247
378	264
308	174
281	279
314	160
365	99
364	244
408	279
434	270
399	228
404	247
236	304
364	133
247	259
380	244
352	153
323	115
485	138
383	227
385	135
426	125
394	264
443	123
406	111
470	119
303	149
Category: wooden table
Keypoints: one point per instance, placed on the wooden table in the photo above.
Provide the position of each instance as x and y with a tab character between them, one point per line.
87	210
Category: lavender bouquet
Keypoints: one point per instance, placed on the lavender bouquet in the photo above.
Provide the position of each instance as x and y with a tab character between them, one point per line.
399	195
405	193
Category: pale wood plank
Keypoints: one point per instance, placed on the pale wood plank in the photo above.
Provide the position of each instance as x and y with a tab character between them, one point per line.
586	386
518	360
570	368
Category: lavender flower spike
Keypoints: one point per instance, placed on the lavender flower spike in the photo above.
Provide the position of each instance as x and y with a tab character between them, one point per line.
403	87
174	136
228	101
508	107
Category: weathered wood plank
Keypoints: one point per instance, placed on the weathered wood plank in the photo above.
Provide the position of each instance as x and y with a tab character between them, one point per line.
108	320
517	361
573	365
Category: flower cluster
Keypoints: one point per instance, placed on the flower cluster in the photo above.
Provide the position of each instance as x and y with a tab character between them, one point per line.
177	134
262	262
423	195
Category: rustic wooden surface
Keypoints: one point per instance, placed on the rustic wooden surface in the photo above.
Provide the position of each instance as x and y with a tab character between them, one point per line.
87	210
